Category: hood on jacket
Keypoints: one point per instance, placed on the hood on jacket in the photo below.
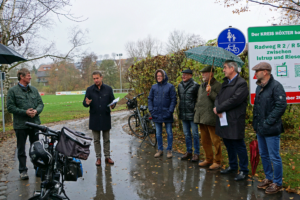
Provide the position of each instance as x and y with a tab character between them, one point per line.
165	77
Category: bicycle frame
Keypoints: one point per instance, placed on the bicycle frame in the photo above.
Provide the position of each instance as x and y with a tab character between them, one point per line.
49	185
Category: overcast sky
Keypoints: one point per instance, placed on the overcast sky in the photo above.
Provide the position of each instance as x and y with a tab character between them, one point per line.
111	24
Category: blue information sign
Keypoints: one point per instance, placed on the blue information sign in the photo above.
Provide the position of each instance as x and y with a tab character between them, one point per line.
233	40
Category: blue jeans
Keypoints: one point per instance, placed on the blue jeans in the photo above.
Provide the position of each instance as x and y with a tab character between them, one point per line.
269	153
158	127
187	125
237	148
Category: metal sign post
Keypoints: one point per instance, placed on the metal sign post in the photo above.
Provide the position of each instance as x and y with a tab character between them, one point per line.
2	76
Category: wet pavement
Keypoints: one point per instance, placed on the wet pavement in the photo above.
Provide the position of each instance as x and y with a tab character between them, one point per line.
136	174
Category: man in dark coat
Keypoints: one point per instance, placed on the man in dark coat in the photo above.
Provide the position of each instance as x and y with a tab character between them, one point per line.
206	118
97	97
269	106
231	102
187	91
161	102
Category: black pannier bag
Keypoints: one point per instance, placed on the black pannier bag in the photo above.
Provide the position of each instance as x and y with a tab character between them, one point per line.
73	144
72	169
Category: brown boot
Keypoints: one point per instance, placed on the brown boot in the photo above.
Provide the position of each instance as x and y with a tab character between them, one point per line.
205	163
98	162
158	154
195	158
264	184
187	156
273	188
169	154
109	161
215	166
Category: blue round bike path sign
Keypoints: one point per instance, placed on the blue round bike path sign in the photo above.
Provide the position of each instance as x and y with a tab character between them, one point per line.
233	40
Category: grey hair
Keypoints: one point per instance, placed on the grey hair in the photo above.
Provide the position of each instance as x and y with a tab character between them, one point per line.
233	64
22	72
97	73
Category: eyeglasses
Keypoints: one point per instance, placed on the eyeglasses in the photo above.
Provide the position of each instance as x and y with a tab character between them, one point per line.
159	76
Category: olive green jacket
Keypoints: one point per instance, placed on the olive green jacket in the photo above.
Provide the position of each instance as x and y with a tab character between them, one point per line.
204	106
19	100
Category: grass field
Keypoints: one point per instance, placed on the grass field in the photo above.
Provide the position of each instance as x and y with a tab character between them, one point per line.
58	108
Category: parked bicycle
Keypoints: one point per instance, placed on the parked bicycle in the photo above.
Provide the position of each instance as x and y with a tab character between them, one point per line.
141	124
54	165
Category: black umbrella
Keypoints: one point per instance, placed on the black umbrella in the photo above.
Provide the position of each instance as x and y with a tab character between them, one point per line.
8	55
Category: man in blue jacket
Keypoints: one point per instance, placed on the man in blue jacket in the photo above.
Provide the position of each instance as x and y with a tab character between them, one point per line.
161	102
269	106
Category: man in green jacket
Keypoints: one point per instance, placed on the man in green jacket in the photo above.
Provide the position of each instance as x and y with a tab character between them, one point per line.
25	103
205	117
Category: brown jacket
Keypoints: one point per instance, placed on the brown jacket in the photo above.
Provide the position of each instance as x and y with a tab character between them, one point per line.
204	113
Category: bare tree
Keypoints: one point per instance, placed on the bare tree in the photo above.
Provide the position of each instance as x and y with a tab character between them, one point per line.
289	9
144	48
20	24
106	57
113	55
88	65
179	40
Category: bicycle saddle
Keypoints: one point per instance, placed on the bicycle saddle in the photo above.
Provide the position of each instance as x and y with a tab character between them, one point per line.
143	108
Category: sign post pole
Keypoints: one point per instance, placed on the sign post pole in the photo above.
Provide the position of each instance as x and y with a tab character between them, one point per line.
2	75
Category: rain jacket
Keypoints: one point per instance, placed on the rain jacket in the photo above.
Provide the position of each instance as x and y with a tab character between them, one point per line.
162	100
269	106
204	113
188	97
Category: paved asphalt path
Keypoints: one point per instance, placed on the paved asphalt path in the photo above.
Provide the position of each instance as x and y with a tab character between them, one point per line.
136	174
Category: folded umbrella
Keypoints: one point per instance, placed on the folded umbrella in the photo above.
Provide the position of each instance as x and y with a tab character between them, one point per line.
254	156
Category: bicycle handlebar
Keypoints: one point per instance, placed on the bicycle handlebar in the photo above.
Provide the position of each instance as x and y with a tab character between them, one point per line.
138	95
44	129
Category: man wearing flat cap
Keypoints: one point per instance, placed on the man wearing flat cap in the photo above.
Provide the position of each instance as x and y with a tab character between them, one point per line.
231	102
206	118
187	91
269	106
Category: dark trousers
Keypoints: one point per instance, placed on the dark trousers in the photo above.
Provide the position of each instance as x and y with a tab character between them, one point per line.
237	148
21	144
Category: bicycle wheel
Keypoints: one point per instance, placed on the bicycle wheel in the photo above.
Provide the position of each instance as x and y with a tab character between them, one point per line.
151	132
135	126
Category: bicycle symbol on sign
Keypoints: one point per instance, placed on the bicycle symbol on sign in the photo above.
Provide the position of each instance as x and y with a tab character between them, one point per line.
232	48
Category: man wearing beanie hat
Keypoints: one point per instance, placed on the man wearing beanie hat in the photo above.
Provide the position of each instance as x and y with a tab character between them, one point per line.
206	118
269	106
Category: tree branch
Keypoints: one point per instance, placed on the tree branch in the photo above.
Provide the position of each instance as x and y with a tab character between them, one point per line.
268	4
32	59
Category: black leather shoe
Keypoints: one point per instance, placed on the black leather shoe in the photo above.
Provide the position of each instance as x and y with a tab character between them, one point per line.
228	170
241	176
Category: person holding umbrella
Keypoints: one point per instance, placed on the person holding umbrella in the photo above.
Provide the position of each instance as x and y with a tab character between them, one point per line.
205	117
269	105
187	92
231	103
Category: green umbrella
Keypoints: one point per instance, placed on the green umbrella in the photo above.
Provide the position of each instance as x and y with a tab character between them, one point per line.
211	55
